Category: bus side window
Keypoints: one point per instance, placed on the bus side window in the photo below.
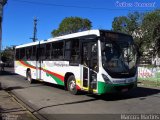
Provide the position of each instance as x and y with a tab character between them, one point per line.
94	55
28	53
22	53
42	51
48	51
57	51
75	51
72	51
17	54
85	56
67	50
34	50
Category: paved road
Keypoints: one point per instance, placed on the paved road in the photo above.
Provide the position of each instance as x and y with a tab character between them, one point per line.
10	109
48	100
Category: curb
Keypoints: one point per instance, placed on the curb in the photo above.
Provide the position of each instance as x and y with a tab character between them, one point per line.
31	108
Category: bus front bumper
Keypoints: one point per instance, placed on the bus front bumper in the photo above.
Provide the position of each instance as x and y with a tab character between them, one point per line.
113	88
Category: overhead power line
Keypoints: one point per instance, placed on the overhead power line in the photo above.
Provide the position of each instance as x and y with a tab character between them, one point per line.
74	6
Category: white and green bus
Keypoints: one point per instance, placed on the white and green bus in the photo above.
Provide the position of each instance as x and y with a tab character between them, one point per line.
97	61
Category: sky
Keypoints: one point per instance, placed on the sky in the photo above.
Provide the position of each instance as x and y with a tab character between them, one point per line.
18	16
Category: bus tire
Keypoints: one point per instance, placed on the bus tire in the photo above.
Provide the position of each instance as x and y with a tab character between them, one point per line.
28	76
71	85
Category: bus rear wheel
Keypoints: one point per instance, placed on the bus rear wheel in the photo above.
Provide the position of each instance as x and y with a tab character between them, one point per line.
28	76
71	85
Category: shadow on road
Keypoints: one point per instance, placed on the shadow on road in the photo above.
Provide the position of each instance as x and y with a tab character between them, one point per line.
18	87
5	73
52	85
13	88
139	92
68	103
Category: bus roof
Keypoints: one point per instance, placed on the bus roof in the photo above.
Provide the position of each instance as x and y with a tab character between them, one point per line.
73	35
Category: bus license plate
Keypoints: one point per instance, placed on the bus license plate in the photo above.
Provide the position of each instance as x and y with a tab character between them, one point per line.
124	90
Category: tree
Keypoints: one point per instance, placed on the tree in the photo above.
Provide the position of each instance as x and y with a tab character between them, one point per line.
127	24
8	55
72	25
151	28
130	24
145	29
119	24
156	37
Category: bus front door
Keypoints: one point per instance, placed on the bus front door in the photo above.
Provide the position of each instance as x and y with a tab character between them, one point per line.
89	65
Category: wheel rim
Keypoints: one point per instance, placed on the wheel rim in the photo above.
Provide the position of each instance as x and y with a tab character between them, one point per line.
72	85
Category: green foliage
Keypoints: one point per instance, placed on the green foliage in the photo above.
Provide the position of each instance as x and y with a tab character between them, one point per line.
127	24
119	24
151	28
156	37
8	55
144	27
130	24
72	25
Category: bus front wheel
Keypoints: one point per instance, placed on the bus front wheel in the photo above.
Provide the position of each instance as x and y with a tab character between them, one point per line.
28	76
71	85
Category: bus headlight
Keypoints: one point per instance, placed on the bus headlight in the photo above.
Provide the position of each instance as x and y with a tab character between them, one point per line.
106	79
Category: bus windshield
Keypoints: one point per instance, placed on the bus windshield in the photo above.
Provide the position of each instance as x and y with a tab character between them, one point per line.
119	56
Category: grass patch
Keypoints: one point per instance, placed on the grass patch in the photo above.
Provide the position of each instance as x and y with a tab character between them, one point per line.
149	83
149	79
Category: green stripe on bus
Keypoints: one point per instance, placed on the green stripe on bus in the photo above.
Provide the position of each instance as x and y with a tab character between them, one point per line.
102	87
58	81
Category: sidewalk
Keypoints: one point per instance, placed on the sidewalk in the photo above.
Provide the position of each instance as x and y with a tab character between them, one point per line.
10	109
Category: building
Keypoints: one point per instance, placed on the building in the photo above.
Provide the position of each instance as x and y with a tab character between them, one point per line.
2	3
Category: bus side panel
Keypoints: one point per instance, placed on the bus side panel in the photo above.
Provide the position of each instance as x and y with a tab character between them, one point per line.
21	67
54	72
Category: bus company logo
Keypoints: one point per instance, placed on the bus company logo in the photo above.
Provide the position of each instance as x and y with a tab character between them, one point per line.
135	4
61	64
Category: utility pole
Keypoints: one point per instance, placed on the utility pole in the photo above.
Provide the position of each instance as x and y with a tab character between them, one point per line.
35	30
2	3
